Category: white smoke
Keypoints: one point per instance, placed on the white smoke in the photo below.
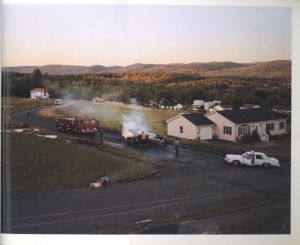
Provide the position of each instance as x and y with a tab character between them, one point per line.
83	107
134	124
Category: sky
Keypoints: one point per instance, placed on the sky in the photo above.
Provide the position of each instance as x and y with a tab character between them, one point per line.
41	34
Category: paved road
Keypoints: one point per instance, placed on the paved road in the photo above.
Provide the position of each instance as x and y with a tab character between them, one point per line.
191	181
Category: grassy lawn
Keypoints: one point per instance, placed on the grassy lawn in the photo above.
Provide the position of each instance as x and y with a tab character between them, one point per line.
39	164
111	115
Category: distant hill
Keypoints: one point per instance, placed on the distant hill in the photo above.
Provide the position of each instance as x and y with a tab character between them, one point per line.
269	69
60	69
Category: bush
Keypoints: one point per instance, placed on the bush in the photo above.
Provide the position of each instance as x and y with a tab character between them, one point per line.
254	137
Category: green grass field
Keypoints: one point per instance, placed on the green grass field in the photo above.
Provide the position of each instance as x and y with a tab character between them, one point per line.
39	164
111	115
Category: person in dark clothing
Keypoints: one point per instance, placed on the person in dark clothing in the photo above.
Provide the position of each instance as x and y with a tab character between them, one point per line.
105	181
101	136
176	144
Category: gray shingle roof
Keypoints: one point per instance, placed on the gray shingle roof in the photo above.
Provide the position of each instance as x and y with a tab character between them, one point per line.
198	119
251	115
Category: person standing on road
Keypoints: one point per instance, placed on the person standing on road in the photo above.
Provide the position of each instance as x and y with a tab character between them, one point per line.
176	144
101	136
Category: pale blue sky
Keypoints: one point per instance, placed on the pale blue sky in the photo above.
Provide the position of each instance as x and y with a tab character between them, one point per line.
125	34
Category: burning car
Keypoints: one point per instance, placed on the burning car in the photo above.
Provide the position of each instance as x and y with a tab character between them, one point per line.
143	138
132	137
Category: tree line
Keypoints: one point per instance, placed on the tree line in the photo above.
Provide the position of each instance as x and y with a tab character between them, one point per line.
154	88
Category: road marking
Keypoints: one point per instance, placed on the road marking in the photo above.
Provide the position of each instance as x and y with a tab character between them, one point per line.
130	211
143	221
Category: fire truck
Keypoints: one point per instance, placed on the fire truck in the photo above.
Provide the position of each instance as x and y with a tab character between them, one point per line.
77	125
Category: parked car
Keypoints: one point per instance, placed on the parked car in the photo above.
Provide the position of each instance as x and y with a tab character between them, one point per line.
156	139
251	158
58	102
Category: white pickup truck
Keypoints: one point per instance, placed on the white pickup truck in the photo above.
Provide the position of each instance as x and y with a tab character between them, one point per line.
252	158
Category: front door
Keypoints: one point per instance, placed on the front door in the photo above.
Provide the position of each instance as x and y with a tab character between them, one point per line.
256	127
258	159
249	160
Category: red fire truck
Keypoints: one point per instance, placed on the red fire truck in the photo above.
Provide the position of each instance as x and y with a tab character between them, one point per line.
77	125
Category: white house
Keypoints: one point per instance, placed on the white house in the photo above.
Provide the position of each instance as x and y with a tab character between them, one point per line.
198	103
231	125
190	126
178	107
210	104
220	108
39	93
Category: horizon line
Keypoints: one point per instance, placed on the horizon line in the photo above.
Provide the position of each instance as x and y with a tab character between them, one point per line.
139	63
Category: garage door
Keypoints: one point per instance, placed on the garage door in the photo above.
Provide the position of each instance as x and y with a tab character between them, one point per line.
205	133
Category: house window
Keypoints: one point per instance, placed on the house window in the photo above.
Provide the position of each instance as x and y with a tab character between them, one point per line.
281	125
226	130
244	130
269	126
181	129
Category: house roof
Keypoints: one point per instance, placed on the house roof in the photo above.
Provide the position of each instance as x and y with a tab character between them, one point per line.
197	119
213	105
250	115
39	90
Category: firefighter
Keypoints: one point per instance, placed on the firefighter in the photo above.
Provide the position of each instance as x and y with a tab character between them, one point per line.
144	138
105	181
101	136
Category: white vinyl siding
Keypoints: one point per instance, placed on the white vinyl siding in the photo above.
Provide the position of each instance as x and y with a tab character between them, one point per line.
182	128
220	122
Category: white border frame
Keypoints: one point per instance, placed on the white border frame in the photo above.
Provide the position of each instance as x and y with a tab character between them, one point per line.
292	239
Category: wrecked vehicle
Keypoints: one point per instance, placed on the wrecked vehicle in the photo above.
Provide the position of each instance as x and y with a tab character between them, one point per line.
143	138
